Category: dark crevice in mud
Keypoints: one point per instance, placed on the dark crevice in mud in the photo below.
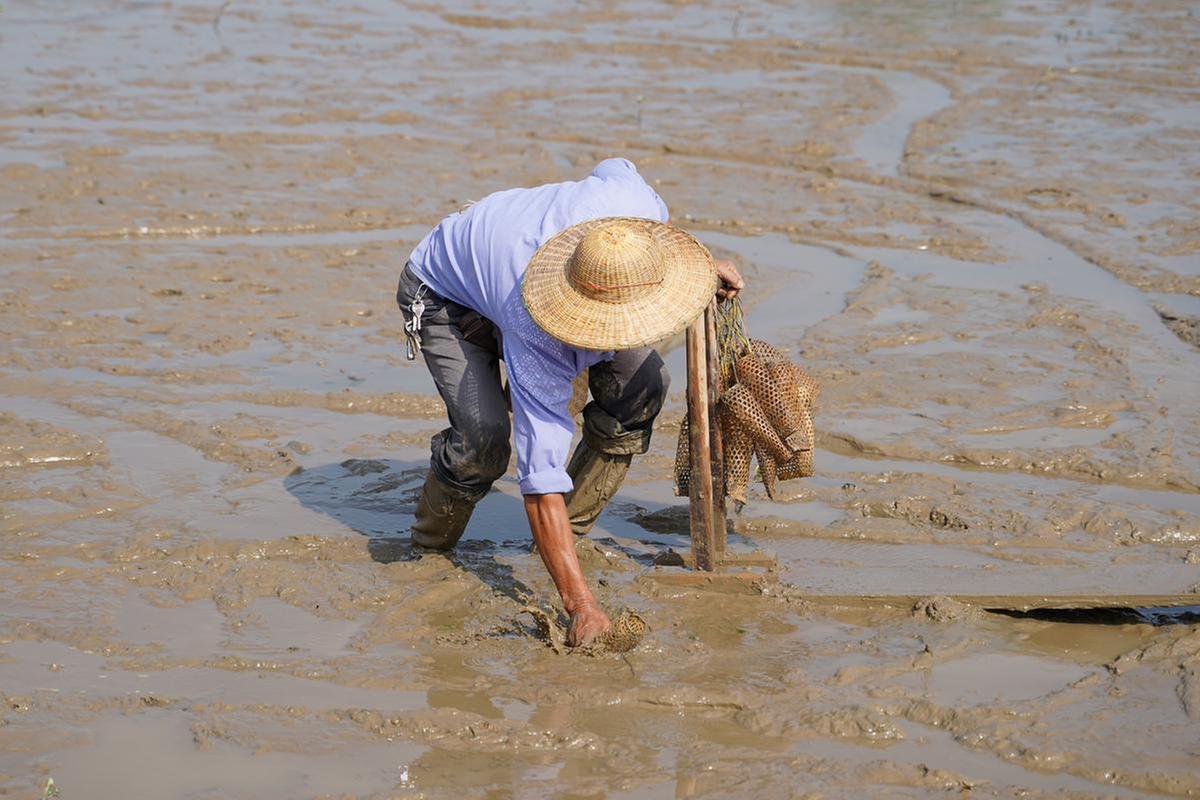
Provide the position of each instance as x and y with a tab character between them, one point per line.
1116	615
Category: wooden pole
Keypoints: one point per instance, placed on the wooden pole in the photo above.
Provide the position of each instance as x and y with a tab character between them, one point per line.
700	441
717	448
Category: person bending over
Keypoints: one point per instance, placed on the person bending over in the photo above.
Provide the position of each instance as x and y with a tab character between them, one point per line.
552	280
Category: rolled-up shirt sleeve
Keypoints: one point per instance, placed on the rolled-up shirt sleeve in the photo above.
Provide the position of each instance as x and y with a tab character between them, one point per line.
540	388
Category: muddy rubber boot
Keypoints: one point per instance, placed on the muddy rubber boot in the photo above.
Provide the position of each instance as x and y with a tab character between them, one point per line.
442	515
596	476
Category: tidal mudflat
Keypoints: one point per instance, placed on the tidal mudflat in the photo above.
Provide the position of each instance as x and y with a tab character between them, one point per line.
975	222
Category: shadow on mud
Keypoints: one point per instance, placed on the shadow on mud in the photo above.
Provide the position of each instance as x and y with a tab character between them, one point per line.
378	497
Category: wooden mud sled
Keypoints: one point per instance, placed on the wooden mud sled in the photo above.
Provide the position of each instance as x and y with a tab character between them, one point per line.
710	565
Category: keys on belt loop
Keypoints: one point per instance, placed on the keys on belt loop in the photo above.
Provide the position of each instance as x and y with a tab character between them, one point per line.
412	326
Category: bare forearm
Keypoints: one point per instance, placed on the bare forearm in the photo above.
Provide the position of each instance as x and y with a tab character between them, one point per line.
556	543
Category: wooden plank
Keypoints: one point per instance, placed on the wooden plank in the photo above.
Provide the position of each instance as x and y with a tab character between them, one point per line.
701	485
726	560
724	582
740	581
756	558
717	449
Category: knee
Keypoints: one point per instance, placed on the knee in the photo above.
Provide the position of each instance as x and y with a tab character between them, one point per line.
625	423
644	395
488	449
658	383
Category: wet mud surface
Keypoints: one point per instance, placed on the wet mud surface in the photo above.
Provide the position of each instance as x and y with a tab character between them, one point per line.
973	222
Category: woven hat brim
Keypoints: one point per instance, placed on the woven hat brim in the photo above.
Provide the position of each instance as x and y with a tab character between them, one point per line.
589	324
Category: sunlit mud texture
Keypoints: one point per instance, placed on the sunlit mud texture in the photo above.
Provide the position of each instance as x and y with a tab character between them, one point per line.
974	222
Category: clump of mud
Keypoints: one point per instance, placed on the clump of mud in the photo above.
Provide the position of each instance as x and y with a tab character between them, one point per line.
946	610
1185	327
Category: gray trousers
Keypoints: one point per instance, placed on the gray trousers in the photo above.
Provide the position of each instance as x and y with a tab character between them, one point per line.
462	350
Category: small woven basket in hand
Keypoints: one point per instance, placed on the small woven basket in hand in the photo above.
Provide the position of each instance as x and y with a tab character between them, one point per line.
765	411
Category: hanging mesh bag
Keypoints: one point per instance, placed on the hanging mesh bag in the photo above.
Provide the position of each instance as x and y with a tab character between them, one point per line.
738	451
765	411
683	460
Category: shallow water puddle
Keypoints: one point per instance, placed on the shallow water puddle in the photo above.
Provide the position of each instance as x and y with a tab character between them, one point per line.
177	481
35	667
183	631
270	627
154	755
998	677
1035	259
847	568
881	144
928	747
795	285
1164	499
1081	436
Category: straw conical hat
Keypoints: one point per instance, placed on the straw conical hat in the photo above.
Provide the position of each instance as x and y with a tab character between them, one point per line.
618	282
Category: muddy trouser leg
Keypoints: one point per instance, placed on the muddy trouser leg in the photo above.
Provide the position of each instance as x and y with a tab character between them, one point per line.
627	394
469	455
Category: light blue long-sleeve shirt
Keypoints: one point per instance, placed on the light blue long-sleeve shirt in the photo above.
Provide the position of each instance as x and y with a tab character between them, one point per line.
477	258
